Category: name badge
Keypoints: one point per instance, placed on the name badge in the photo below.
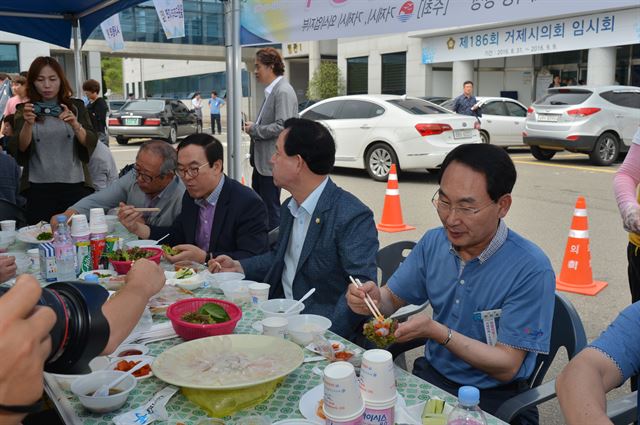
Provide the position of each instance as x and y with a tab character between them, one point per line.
488	318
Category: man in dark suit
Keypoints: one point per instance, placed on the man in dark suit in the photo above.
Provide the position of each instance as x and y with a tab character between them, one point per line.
219	215
326	234
280	104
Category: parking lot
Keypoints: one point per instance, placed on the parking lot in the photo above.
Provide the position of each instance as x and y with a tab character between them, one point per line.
543	201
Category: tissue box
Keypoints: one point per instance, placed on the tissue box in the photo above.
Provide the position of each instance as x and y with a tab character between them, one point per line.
48	266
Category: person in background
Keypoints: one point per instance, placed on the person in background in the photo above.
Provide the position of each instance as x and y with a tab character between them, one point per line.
5	91
98	109
6	132
102	167
152	183
215	103
466	103
280	104
131	96
604	365
625	184
196	102
326	234
19	89
54	142
10	180
219	215
557	82
492	291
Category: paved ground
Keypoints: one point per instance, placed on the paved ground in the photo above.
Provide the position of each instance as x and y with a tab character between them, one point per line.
544	198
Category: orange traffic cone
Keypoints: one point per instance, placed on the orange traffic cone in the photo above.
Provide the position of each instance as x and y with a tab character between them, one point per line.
392	212
576	274
242	181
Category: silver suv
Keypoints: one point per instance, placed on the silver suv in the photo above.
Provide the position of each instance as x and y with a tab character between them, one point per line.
598	121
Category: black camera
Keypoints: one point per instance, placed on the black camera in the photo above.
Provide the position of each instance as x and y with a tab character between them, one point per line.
81	331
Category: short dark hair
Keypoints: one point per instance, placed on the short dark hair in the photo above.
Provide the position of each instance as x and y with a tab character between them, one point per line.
271	57
212	146
492	161
4	76
9	119
467	82
214	92
91	86
313	142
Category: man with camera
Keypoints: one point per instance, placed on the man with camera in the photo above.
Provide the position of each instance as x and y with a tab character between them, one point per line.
27	326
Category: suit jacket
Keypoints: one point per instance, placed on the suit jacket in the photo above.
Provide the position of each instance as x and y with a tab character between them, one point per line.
342	240
279	106
239	227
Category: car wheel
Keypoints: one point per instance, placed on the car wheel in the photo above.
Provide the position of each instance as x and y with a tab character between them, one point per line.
122	140
378	161
542	154
484	136
606	149
173	135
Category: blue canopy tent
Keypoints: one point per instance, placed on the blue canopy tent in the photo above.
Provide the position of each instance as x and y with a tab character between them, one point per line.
58	21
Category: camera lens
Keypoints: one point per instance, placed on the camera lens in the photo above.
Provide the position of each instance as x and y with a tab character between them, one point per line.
81	331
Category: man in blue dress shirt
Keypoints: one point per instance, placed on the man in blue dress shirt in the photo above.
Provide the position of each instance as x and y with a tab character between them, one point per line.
465	104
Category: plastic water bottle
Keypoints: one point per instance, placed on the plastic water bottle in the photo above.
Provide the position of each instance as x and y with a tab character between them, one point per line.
65	251
467	411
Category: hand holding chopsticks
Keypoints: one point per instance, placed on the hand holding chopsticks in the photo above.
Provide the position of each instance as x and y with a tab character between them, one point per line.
368	301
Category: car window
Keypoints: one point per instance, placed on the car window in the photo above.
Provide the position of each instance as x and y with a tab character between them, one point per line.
515	110
179	107
417	107
494	108
324	111
448	104
564	97
354	109
143	106
626	98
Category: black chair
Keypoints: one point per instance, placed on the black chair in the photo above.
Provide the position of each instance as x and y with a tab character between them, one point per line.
272	237
10	211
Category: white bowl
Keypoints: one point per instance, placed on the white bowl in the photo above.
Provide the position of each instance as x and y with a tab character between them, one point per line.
65	381
143	349
277	306
7	237
306	326
190	283
138	358
89	383
147	243
236	291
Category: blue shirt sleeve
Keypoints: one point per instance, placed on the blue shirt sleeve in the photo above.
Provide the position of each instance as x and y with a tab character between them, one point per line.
621	341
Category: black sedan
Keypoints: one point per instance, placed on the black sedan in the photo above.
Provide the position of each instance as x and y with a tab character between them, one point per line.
153	118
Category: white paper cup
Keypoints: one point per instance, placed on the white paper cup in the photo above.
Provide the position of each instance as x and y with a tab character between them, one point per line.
259	292
377	377
97	221
79	225
8	225
342	399
275	326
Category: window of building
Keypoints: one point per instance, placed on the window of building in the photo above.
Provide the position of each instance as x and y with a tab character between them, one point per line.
394	73
9	58
358	75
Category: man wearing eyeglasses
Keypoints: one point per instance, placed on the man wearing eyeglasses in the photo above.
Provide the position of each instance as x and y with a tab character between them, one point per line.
219	215
152	183
492	291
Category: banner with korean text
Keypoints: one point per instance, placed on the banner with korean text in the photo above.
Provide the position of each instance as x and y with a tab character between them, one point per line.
113	33
270	21
587	31
171	15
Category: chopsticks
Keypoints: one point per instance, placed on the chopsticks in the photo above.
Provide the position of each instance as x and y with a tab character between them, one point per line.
147	209
368	301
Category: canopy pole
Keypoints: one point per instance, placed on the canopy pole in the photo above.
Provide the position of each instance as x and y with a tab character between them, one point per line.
234	88
77	56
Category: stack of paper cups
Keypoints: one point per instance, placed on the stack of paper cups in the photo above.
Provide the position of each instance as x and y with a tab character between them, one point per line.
80	234
343	402
378	386
98	229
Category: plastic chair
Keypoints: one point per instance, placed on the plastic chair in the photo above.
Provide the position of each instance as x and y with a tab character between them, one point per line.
389	259
10	211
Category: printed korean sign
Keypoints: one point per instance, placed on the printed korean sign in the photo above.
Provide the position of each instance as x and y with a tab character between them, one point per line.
113	33
171	15
269	21
596	30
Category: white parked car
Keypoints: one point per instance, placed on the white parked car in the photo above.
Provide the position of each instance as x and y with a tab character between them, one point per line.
502	120
373	131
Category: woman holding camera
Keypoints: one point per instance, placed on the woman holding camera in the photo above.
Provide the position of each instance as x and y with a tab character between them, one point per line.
54	142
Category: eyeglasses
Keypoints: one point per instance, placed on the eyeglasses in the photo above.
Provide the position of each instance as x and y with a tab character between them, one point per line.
445	208
192	172
144	177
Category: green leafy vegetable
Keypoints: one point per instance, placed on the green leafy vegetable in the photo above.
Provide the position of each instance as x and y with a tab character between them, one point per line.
132	254
44	236
380	332
169	251
185	272
207	314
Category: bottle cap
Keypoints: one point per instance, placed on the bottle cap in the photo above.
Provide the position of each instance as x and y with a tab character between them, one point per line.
61	219
468	396
90	277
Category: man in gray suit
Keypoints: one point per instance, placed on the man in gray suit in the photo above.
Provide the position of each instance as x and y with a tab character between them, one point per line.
280	104
326	234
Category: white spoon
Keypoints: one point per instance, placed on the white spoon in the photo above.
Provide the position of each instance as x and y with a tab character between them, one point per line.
162	238
103	391
297	303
